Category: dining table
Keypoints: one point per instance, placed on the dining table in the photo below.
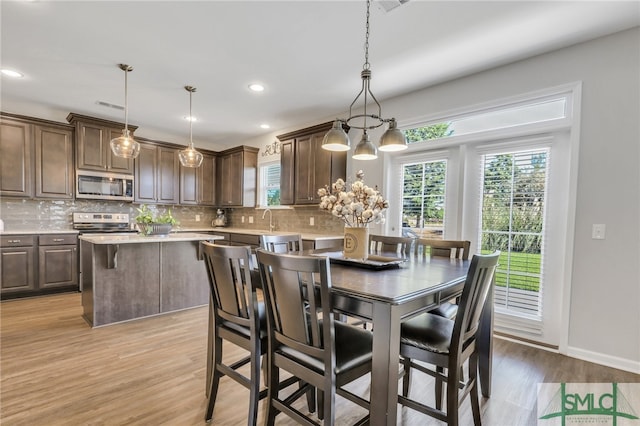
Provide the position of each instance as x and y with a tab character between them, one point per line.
387	296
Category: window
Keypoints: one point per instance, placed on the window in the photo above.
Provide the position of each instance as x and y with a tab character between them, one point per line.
512	221
423	197
497	187
270	184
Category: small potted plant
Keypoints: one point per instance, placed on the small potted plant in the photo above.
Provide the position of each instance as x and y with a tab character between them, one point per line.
158	225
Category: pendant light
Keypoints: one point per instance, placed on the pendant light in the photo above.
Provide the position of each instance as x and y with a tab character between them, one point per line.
189	157
125	146
337	139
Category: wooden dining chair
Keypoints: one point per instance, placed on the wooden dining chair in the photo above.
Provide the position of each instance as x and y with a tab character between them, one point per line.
456	249
281	243
305	340
239	318
385	243
448	344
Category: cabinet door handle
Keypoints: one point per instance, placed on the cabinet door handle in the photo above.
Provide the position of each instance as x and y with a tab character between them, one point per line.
14	241
58	240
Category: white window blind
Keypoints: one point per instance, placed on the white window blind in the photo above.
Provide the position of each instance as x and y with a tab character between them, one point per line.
512	216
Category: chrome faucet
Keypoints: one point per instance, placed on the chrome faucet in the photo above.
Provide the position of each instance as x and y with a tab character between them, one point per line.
271	225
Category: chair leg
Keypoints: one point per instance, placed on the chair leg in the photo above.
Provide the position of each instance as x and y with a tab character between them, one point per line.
254	391
272	393
406	378
214	378
452	397
473	377
311	397
321	412
439	384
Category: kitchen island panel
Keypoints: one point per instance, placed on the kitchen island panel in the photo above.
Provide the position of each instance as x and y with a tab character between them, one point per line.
129	291
184	282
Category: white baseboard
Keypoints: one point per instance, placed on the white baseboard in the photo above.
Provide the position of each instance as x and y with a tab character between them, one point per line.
603	359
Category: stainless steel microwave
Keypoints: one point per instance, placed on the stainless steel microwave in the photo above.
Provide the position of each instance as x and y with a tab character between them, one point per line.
104	186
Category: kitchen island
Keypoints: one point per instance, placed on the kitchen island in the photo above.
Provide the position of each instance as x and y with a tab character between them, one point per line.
125	277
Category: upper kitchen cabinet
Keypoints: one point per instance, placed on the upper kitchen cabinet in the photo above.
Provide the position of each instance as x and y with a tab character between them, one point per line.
36	158
236	177
157	174
305	166
198	185
93	137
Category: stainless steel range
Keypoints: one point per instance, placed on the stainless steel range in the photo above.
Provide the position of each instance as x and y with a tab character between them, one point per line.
101	222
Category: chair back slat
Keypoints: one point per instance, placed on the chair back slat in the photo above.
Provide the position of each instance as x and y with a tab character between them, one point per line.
281	243
476	288
457	249
386	243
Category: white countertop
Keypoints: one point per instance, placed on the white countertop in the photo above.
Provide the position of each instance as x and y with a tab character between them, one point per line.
305	235
38	232
138	238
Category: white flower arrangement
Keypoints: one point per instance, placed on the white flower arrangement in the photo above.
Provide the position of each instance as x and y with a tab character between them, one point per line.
357	207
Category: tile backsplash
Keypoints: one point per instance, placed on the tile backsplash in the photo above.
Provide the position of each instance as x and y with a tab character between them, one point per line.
32	215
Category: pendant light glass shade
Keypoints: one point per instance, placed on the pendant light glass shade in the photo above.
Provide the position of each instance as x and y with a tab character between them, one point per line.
393	139
189	157
125	146
336	139
365	150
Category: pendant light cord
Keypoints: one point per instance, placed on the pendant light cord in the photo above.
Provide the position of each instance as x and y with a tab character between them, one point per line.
190	121
366	40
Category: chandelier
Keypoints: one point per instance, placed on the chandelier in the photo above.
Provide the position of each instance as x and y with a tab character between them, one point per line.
337	139
189	157
125	146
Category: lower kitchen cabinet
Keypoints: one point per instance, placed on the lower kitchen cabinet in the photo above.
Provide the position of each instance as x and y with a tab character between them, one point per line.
58	261
17	263
32	265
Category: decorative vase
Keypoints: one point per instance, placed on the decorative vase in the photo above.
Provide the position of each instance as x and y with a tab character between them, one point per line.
356	243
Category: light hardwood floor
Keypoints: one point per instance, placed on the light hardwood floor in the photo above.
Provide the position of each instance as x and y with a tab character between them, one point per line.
56	370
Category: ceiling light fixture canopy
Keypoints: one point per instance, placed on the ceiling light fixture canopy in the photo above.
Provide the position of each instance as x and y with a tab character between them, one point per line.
189	157
337	139
125	146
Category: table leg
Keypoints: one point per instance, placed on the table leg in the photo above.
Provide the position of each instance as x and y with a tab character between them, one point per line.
384	371
485	345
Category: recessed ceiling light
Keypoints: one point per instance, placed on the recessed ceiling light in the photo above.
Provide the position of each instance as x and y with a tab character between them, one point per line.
265	126
11	73
256	87
188	118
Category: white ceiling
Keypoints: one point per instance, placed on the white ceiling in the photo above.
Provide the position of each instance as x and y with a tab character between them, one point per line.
308	54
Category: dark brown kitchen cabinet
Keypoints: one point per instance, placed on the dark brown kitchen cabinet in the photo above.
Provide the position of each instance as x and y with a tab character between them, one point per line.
197	185
16	154
36	158
54	163
236	177
58	261
93	149
17	264
305	166
157	175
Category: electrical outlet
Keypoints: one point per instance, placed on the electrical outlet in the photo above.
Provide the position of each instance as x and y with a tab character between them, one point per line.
598	231
312	221
250	219
197	218
242	219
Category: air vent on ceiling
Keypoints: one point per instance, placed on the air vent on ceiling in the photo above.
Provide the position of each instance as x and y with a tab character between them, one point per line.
389	5
108	105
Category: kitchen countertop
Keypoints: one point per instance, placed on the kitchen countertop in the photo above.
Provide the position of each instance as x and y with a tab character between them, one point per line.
231	230
38	232
138	238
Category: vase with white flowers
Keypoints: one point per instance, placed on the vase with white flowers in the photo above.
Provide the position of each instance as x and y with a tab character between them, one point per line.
358	205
